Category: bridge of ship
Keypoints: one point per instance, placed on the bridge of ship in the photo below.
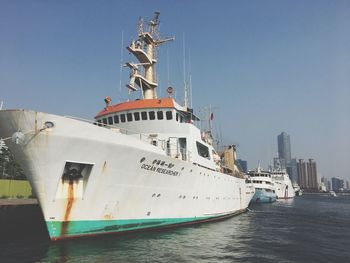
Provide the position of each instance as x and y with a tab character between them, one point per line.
163	123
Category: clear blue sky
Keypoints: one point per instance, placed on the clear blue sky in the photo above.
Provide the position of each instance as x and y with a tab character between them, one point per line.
267	66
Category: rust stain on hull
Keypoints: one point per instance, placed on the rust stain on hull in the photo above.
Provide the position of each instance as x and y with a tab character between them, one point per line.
70	201
36	122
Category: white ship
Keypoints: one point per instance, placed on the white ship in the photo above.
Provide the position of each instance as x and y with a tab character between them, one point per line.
142	164
264	186
283	185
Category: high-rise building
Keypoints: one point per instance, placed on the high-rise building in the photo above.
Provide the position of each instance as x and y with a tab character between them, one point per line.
347	185
337	184
284	149
312	175
302	178
243	165
293	171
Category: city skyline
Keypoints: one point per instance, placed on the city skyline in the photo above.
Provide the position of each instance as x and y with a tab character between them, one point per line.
267	67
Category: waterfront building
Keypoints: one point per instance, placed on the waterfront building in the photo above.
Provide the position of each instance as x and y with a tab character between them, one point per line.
326	183
347	185
323	187
302	177
312	175
293	171
329	185
243	165
337	184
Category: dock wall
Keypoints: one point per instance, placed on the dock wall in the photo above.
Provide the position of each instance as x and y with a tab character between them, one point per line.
15	189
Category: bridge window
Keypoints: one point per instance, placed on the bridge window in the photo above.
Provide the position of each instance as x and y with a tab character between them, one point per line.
104	120
144	115
136	116
129	116
110	120
152	115
99	123
169	115
122	117
177	116
160	115
203	150
116	119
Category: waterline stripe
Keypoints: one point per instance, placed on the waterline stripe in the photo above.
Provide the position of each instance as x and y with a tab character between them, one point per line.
88	227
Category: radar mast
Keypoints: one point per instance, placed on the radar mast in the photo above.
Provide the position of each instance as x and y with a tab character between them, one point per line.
144	49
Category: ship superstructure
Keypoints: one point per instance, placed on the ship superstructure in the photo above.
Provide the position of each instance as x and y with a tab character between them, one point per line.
141	164
283	185
265	191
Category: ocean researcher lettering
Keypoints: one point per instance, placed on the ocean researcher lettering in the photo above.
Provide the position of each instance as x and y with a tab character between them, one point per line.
155	167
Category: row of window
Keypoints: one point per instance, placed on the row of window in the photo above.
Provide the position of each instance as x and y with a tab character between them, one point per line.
260	182
137	116
260	175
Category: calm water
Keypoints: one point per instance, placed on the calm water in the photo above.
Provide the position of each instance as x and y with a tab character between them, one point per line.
306	229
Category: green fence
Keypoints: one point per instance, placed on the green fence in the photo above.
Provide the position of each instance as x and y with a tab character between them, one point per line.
15	189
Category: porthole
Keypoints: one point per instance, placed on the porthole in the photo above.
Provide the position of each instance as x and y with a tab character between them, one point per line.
49	124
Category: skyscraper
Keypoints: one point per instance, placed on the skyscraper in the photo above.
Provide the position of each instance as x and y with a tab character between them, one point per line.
284	150
285	159
312	175
302	178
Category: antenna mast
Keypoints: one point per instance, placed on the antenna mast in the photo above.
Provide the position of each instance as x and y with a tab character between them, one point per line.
121	63
184	67
144	49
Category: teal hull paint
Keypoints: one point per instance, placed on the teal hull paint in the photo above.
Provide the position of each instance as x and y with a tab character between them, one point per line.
61	230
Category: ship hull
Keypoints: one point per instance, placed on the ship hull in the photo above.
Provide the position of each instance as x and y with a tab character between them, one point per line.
262	196
123	183
111	227
284	188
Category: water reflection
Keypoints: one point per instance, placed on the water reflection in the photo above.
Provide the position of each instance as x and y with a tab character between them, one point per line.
308	228
206	242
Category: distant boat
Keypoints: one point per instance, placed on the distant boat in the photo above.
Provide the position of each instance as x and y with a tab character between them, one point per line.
297	190
332	193
264	187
